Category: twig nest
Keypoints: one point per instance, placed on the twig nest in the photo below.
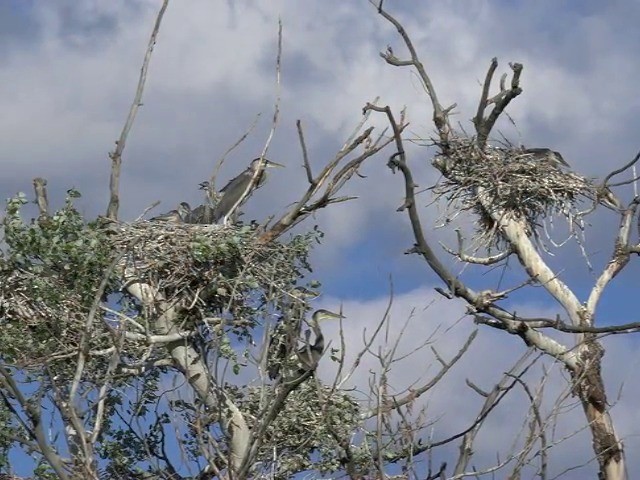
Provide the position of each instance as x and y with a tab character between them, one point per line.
58	273
515	183
210	267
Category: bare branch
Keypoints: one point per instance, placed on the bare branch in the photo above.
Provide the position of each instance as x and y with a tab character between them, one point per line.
440	115
463	257
305	155
242	138
501	100
329	179
620	257
618	171
414	393
116	155
34	412
40	187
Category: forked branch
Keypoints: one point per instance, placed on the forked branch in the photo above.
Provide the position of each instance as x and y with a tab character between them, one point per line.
323	187
483	124
440	115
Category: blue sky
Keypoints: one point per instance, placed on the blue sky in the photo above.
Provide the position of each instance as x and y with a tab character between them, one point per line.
68	72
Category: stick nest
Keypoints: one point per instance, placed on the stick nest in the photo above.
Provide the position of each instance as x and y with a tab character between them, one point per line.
514	182
210	266
206	270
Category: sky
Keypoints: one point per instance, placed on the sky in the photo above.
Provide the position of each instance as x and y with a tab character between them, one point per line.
68	73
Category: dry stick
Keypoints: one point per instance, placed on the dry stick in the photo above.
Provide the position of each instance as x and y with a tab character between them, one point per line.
83	353
276	110
490	404
244	136
562	326
368	342
40	187
116	155
534	400
619	259
83	347
440	115
274	123
301	210
417	392
492	399
114	361
305	155
484	98
619	171
501	100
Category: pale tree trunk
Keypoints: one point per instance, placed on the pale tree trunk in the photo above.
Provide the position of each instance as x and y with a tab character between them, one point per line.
190	363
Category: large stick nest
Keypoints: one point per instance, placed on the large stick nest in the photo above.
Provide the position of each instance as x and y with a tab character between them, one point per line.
208	270
517	185
207	266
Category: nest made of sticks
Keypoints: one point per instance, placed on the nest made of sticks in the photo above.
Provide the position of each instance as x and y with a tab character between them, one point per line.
205	268
206	263
515	183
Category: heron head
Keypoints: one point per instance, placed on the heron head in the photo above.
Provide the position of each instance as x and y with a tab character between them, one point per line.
323	314
184	208
258	162
204	186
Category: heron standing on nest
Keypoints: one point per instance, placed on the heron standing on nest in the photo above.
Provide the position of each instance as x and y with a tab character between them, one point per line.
309	355
240	188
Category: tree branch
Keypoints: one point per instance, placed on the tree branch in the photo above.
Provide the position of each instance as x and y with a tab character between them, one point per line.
116	155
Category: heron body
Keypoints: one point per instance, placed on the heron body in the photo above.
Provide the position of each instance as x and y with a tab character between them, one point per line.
202	214
307	356
236	192
546	155
180	215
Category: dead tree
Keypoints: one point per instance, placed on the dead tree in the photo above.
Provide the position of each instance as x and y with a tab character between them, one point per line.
511	194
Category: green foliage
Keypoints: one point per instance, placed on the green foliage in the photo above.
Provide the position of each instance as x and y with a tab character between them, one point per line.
51	271
308	433
55	266
60	247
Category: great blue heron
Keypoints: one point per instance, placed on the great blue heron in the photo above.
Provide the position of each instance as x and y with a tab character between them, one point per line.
307	356
236	192
203	214
181	215
546	155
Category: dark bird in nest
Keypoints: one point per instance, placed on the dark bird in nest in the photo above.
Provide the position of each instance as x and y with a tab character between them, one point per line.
180	215
240	188
203	214
309	355
546	155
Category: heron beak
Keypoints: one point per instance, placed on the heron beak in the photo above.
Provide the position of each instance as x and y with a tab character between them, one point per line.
329	314
274	164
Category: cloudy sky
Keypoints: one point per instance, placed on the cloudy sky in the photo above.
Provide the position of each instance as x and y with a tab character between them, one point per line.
68	72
